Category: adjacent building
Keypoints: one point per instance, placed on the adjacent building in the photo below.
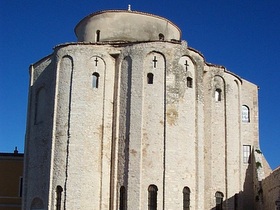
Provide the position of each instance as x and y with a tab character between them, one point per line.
11	173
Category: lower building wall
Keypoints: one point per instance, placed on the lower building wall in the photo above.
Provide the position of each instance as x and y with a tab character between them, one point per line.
271	190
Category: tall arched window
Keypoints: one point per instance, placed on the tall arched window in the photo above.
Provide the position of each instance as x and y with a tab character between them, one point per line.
97	36
219	200
152	197
122	198
245	114
218	94
95	80
150	78
58	197
186	198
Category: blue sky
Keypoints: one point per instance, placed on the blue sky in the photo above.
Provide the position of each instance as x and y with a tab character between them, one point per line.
241	35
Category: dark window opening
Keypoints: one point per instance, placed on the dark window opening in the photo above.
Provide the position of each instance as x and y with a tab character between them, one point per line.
122	198
186	198
95	80
161	37
152	199
97	38
189	82
150	78
58	197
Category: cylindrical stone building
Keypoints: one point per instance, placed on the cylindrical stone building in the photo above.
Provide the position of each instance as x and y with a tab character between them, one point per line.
129	117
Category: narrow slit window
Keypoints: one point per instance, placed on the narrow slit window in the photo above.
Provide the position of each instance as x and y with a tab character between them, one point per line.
95	80
150	78
189	82
152	199
97	35
186	198
219	200
218	94
245	114
58	197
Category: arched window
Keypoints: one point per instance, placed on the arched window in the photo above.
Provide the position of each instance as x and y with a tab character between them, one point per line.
95	80
189	82
219	200
161	37
218	94
186	198
97	36
122	198
245	114
150	78
152	197
58	197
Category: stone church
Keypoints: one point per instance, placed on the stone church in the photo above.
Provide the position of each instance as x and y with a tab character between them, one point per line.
130	117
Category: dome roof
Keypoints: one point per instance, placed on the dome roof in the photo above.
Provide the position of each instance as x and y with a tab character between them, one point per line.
125	26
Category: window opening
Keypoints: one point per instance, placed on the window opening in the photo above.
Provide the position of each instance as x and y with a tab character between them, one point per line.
186	198
245	114
152	199
161	37
95	80
218	94
150	78
97	38
246	153
189	82
122	198
58	197
219	200
155	61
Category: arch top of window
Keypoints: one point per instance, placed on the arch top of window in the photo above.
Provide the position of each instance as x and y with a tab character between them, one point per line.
219	194
153	188
161	37
186	190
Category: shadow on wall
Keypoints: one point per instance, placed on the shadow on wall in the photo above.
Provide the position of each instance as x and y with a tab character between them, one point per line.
251	196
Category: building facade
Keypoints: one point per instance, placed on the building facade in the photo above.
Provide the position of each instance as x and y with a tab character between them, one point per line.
11	177
130	117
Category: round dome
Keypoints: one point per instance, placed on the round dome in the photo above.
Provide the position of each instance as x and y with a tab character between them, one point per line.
125	26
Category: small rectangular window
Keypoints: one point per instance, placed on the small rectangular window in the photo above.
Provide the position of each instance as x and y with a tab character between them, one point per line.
246	153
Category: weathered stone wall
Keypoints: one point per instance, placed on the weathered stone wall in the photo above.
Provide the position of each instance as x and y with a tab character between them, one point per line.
131	115
271	190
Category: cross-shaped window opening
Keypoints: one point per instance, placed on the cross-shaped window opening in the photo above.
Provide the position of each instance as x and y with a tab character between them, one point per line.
155	61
